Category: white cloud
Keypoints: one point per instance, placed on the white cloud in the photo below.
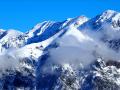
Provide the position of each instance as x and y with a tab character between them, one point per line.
8	60
84	47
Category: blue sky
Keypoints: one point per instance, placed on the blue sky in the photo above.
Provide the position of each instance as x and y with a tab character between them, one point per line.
24	14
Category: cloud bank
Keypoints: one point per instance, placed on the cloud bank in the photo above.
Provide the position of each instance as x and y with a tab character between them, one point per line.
84	47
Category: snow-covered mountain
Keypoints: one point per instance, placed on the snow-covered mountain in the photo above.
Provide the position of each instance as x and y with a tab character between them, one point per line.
75	54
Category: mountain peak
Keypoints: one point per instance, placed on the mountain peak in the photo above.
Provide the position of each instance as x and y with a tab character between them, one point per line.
107	15
2	30
78	21
81	19
109	11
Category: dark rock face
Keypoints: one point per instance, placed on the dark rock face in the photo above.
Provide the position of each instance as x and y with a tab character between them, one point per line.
99	76
94	78
115	44
113	63
12	82
19	78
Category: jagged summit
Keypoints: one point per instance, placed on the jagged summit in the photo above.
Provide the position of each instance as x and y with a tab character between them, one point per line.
109	17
